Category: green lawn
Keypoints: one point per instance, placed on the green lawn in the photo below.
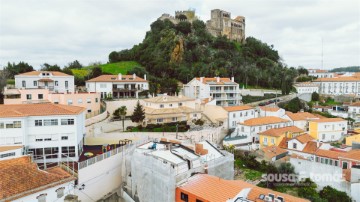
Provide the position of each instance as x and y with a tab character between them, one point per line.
80	73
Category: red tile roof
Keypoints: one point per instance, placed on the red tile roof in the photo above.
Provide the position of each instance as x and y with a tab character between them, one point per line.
214	79
328	120
270	109
339	79
311	147
43	109
238	108
351	155
19	176
301	116
37	73
304	138
277	132
273	151
328	153
9	148
264	120
115	78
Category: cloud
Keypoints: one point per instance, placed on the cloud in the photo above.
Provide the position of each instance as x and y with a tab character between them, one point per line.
60	31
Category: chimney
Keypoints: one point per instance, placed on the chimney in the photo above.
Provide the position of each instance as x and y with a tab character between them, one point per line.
145	76
120	76
232	79
218	79
201	79
134	76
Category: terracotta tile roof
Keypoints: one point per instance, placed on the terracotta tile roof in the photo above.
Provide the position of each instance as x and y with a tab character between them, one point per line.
37	73
328	153
19	176
46	80
311	147
167	98
355	104
214	80
321	107
277	132
237	108
9	148
306	84
352	155
214	189
339	79
301	116
44	109
115	78
320	116
270	109
273	151
284	143
293	155
264	120
304	138
328	120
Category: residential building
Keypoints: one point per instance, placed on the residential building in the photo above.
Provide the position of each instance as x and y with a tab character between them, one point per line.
319	73
246	134
271	111
118	86
21	180
328	129
352	139
274	136
8	152
349	85
273	153
54	81
89	101
51	132
239	114
207	188
306	87
301	119
221	91
167	109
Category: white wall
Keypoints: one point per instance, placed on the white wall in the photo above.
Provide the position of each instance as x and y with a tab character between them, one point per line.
17	152
236	117
29	80
333	131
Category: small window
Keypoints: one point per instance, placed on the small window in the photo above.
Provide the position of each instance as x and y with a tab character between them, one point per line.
159	120
294	145
174	119
96	100
198	200
170	105
60	192
38	122
24	84
184	197
50	122
35	83
89	110
66	84
40	96
70	102
161	106
67	122
64	137
1	125
28	96
79	101
17	124
88	100
41	198
180	104
56	83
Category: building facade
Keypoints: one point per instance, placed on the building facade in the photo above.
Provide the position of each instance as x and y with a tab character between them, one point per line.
274	136
118	86
339	85
239	114
221	91
167	109
50	132
306	87
318	73
54	81
328	129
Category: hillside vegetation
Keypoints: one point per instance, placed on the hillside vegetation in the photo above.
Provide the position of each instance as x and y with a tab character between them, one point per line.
172	53
346	69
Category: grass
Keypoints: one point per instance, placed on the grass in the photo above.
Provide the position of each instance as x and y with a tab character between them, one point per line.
10	82
80	73
252	174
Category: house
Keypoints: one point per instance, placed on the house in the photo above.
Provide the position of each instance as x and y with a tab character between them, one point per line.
271	111
320	73
207	188
51	132
167	109
339	85
301	119
222	91
273	153
22	180
274	136
90	101
246	134
352	139
238	114
54	81
118	86
8	152
328	129
306	87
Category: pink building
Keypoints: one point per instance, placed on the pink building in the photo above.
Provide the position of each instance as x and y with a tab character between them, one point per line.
90	101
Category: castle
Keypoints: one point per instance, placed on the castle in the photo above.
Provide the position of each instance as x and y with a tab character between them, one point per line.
220	23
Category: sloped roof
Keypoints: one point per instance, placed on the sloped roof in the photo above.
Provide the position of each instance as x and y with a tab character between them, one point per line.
355	104
270	109
167	98
277	132
311	147
299	116
264	120
273	151
213	80
328	120
352	154
43	109
115	78
328	153
237	108
9	148
304	138
20	175
338	79
37	73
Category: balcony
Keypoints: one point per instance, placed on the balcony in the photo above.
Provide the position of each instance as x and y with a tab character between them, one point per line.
125	89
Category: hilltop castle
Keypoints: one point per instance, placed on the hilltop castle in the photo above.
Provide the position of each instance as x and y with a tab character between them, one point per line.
220	23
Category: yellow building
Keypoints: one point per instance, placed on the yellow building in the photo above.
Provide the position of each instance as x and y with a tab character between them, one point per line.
275	135
352	139
328	129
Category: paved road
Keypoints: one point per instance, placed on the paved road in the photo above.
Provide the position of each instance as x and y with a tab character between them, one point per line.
283	98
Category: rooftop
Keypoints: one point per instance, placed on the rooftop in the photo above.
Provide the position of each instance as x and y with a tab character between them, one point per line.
264	120
270	109
166	98
311	147
328	153
277	132
115	78
214	80
339	79
352	154
304	138
300	116
9	148
44	109
19	176
37	73
237	108
325	120
273	151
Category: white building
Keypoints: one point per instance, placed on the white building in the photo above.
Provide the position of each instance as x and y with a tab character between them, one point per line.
318	73
306	87
246	134
339	85
8	152
271	111
50	130
239	114
328	129
300	119
118	86
21	180
166	109
52	80
222	91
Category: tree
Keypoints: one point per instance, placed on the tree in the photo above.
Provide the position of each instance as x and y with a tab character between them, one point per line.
315	96
47	67
302	70
333	195
139	113
74	65
184	27
14	69
120	113
95	72
4	76
308	190
114	57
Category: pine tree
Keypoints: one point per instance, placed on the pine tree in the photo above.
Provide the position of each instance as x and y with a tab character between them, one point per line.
139	113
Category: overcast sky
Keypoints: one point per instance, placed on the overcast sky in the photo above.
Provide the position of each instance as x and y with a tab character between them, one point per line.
58	32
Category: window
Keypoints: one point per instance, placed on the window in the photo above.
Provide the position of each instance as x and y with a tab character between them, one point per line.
47	139
60	192
7	155
195	115
88	100
89	110
174	119
79	101
56	83
68	151
67	122
40	96
330	161
28	96
70	102
51	152
35	83
24	84
38	122
161	106
103	85
38	140
180	104
265	140
1	125
323	136
234	115
50	122
17	124
41	198
336	163
66	84
272	141
96	100
64	137
184	197
159	120
294	145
